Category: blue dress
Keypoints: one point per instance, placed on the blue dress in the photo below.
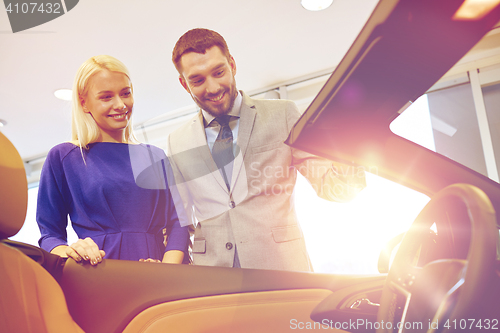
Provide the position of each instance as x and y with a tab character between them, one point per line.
114	193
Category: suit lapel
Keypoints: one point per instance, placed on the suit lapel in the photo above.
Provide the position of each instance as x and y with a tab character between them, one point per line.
247	119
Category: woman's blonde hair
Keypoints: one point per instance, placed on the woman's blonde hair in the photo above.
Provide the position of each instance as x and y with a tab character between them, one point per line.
84	129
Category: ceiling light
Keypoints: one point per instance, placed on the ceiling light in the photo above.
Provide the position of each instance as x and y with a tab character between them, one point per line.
3	123
475	9
64	94
315	5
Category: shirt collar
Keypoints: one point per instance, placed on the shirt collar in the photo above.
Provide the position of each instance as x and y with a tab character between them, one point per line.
235	111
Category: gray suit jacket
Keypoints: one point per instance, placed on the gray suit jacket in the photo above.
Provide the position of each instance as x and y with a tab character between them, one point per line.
257	215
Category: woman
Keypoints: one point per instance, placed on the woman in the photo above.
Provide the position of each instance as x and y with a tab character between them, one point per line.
113	188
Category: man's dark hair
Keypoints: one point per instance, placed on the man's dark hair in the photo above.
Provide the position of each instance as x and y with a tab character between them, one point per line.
199	41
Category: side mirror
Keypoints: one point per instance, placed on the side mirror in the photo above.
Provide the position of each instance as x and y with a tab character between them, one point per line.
385	256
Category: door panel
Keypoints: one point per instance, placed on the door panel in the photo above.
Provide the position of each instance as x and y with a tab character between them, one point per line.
273	311
106	297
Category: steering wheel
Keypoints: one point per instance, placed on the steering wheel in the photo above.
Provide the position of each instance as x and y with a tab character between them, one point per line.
426	298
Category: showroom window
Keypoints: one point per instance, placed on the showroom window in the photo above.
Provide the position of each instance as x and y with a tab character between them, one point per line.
463	120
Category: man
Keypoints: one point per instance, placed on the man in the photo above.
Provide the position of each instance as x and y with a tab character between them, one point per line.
233	170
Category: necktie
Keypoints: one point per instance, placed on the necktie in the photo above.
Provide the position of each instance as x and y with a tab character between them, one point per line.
222	151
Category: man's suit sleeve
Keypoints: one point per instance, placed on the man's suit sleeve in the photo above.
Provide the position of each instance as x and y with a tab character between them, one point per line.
332	181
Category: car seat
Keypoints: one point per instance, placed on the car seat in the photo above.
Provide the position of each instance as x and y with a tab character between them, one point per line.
31	300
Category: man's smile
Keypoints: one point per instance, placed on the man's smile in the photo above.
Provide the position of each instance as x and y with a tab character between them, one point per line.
217	98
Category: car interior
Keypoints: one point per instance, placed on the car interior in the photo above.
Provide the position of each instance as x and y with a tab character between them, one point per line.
444	277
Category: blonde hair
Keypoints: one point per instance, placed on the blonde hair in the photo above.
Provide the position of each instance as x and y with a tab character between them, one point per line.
84	129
